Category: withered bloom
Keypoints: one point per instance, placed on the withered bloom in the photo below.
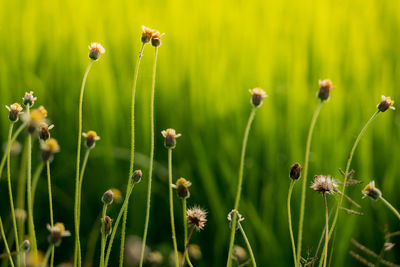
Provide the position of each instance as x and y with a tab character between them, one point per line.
323	184
196	217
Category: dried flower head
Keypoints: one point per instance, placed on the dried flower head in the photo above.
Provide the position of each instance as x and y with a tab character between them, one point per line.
257	95
323	184
295	171
44	130
182	187
107	225
137	176
385	104
170	138
146	34
91	138
325	86
15	110
238	220
117	195
29	99
57	232
96	50
48	148
108	197
26	246
196	217
371	191
156	38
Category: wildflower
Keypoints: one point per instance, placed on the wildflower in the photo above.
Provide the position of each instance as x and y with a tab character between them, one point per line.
196	217
295	171
107	225
182	187
137	176
15	110
117	195
35	118
108	197
25	246
49	148
57	232
34	259
91	138
155	38
385	104
44	130
257	95
96	50
325	88
371	191
239	218
29	99
170	138
323	184
147	34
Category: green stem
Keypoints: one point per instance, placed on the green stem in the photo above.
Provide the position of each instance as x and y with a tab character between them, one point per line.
77	256
114	231
35	180
5	243
14	137
47	256
103	235
171	207
239	187
186	231
185	251
253	260
16	238
326	229
20	203
290	221
304	184
51	208
350	158
147	218
85	160
393	209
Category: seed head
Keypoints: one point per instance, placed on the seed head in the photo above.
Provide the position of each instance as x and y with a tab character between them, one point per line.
15	110
385	104
107	225
48	149
108	197
26	246
137	176
170	138
323	184
196	217
96	50
257	95
57	232
371	191
91	138
295	171
239	218
325	86
44	131
29	99
182	187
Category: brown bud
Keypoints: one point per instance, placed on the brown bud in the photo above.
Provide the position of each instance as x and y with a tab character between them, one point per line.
324	90
295	171
137	176
108	197
107	225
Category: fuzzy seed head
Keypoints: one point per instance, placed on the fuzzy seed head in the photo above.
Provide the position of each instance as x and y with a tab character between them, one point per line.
108	197
15	110
170	138
238	219
385	104
137	176
96	50
323	184
325	86
295	171
29	99
257	95
57	232
91	138
182	187
196	217
371	191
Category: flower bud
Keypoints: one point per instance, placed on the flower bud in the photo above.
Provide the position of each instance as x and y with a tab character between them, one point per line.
44	131
48	149
25	246
15	110
324	90
146	34
107	225
385	104
371	191
257	95
137	176
155	38
108	197
29	99
96	50
295	171
91	138
57	232
170	138
182	187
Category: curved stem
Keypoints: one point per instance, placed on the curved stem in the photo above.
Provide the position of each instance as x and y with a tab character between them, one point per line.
239	187
103	235
393	209
51	208
290	221
85	160
185	231
77	256
326	229
5	243
171	207
35	180
304	184
47	256
185	251
246	240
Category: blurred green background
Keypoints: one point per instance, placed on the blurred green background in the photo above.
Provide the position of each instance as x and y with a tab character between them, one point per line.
212	53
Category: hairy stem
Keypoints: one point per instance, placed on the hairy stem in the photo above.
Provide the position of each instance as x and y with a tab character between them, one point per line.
290	221
103	235
253	259
5	243
171	207
51	208
393	209
186	256
35	180
326	229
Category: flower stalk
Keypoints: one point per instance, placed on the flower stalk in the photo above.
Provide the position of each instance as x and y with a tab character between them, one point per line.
171	207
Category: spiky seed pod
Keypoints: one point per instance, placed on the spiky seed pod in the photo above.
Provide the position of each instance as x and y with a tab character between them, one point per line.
15	110
29	99
196	217
57	233
371	191
108	197
257	95
323	184
385	104
325	86
96	50
230	218
137	176
170	138
182	187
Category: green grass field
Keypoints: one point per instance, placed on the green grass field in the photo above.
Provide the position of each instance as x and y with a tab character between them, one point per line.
212	53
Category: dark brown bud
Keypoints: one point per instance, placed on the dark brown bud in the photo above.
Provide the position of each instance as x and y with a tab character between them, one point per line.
295	171
170	138
44	131
107	225
385	104
137	176
324	90
155	42
257	95
182	188
108	197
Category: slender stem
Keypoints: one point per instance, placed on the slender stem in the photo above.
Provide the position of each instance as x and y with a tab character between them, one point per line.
14	137
304	184
20	203
85	160
185	251
326	229
239	187
253	259
103	235
5	243
185	231
350	158
171	207
35	180
51	208
77	256
290	221
47	256
393	209
114	231
16	238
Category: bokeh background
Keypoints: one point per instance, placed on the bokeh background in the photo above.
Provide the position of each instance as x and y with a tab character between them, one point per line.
212	53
